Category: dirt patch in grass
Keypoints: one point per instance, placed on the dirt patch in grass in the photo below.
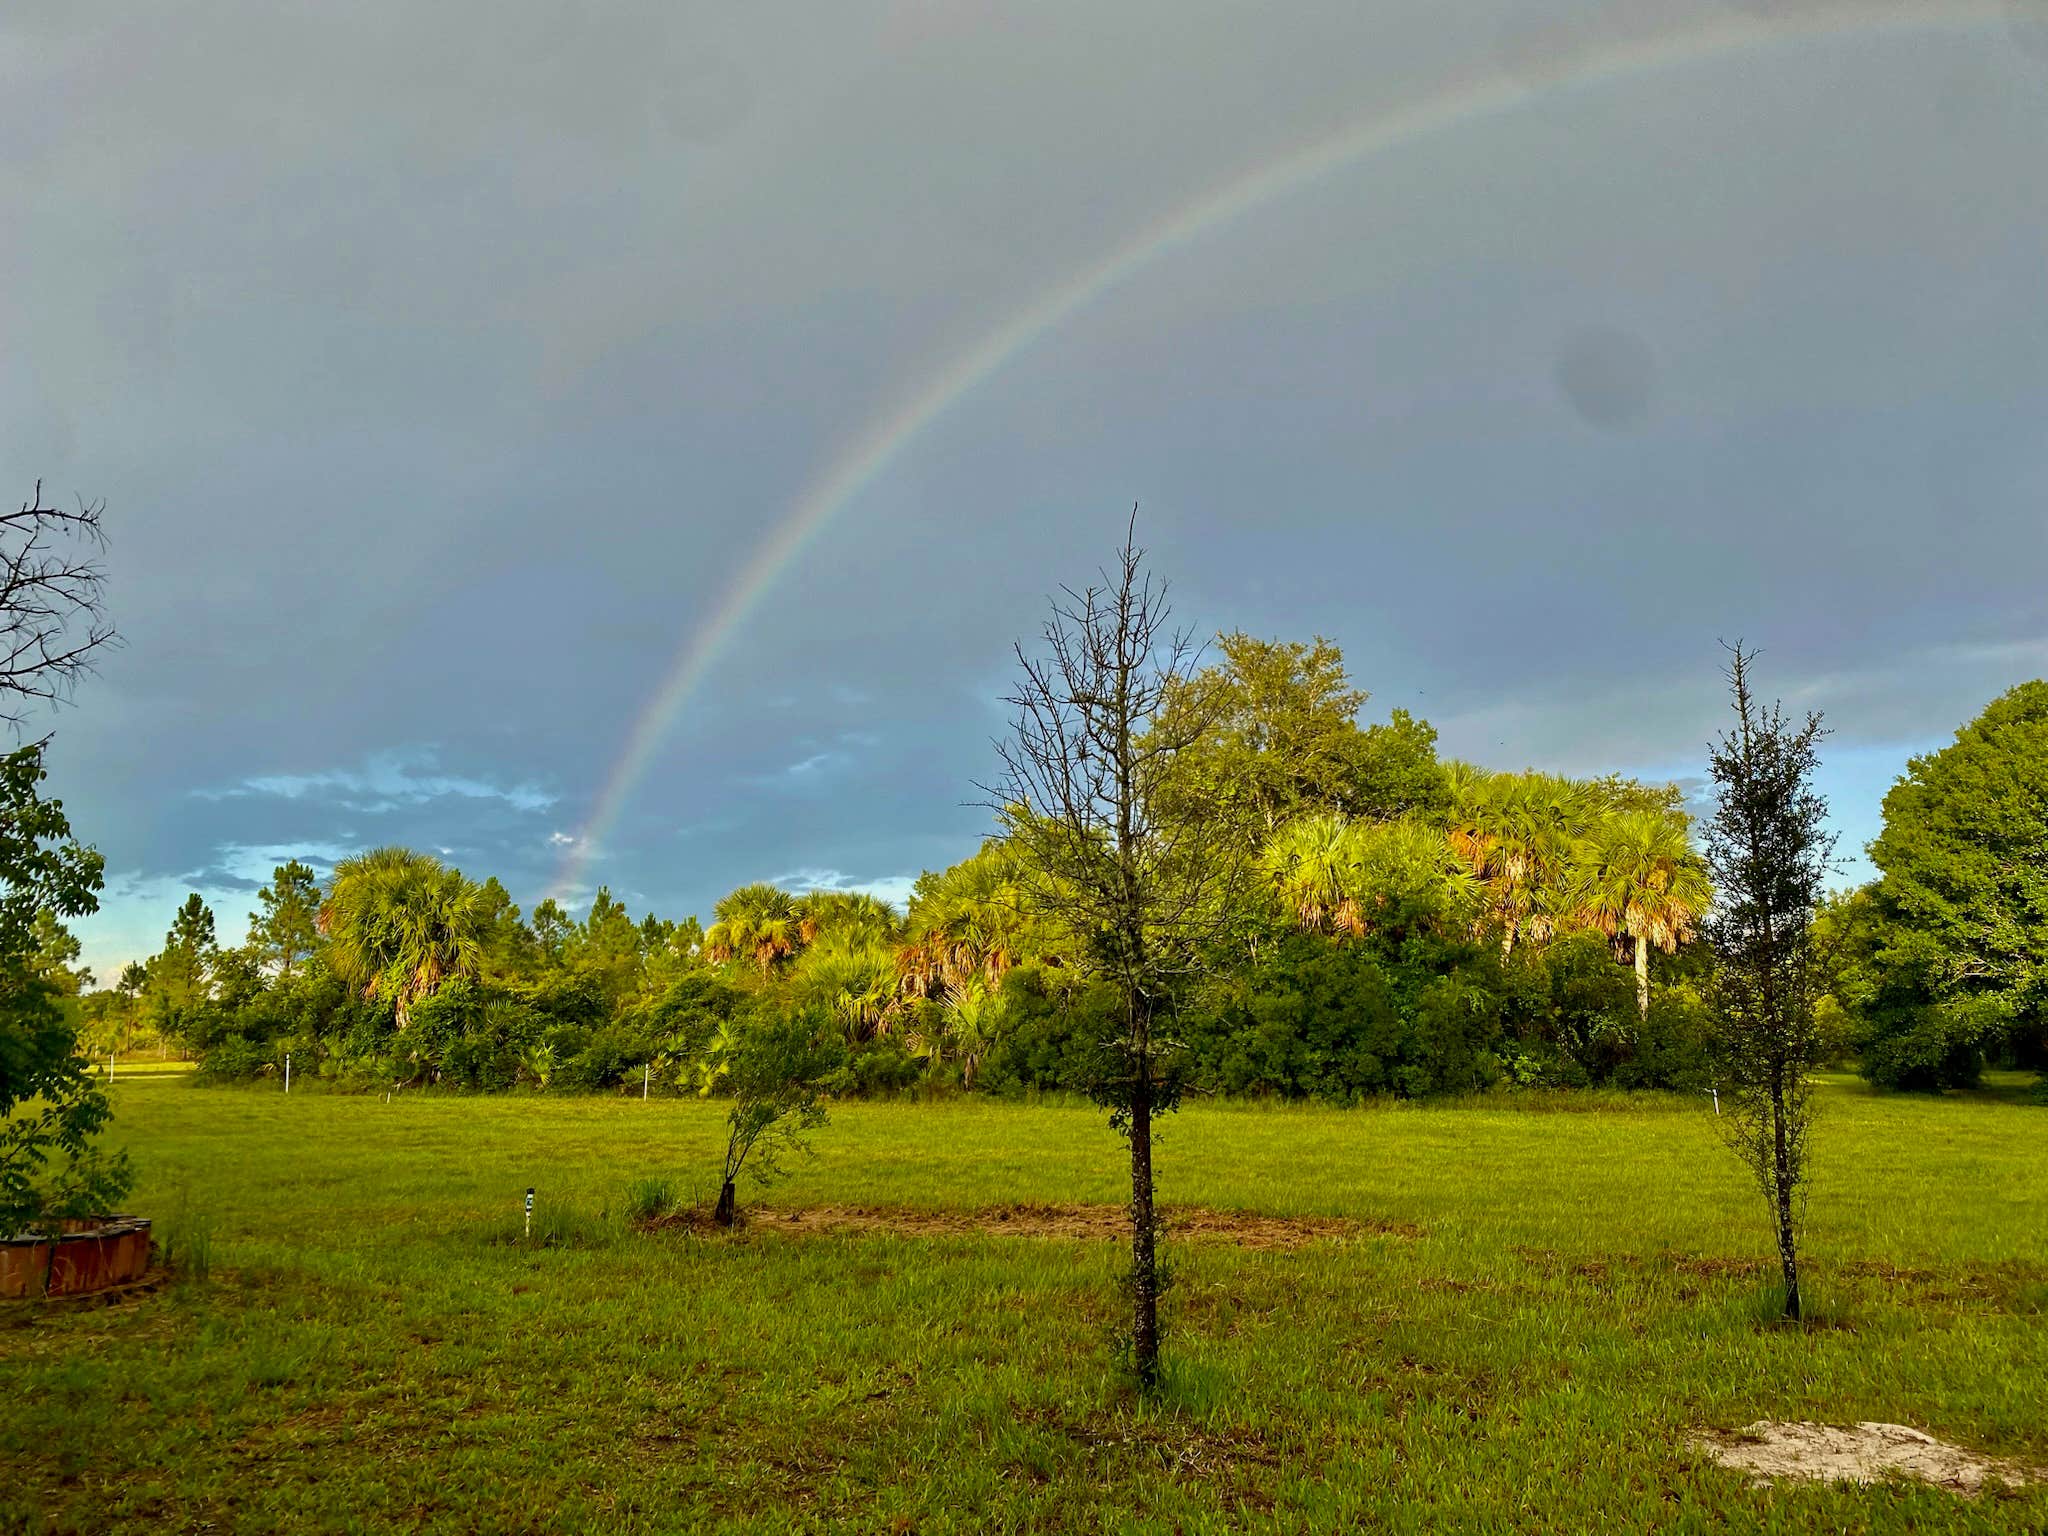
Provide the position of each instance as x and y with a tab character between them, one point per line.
1238	1463
1854	1453
1074	1223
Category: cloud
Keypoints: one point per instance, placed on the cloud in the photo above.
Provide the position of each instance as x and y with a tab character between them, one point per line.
806	773
894	889
563	840
387	782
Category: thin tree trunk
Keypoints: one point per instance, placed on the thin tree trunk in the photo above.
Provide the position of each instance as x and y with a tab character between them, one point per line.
1642	976
1788	1257
1144	1259
725	1212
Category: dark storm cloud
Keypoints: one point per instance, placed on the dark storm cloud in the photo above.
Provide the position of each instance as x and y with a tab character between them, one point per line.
443	366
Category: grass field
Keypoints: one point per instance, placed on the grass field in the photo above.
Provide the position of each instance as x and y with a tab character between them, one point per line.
1546	1301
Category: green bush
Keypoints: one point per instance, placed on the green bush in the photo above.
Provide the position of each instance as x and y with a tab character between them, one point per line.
234	1059
880	1067
608	1056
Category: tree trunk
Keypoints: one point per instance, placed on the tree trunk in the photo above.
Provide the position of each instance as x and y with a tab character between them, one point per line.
1788	1256
725	1212
1144	1259
1642	976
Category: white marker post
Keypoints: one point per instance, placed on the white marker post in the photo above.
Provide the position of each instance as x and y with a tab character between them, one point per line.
529	1213
287	1071
646	1076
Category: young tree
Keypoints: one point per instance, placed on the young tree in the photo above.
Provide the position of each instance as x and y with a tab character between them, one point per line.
772	1061
1138	877
1770	855
286	931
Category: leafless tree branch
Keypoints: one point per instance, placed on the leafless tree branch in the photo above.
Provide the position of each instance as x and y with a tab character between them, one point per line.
52	621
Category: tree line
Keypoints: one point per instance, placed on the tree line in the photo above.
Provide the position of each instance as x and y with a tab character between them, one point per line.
1385	923
1395	924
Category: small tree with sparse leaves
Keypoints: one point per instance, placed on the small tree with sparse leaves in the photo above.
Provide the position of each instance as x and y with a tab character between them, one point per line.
772	1061
1770	854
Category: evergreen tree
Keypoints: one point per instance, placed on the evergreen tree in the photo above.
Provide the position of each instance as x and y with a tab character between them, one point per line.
1770	855
285	931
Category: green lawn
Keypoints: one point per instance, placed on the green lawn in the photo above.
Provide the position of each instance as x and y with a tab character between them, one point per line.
1563	1292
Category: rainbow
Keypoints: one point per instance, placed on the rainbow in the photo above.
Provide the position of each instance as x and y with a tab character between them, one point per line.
1461	103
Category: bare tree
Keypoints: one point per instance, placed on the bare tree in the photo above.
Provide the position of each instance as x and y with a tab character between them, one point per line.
1139	880
1770	855
51	621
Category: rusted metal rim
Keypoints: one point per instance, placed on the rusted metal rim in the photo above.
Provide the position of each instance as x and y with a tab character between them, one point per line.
82	1256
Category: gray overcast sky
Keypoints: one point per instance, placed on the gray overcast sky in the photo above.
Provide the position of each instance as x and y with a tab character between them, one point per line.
444	367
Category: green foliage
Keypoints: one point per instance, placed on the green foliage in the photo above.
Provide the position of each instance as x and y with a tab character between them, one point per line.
609	1057
285	930
1951	961
234	1059
1770	851
756	923
772	1063
51	1105
399	924
1281	739
648	1200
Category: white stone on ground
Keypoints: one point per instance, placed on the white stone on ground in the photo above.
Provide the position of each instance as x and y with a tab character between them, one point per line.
1855	1453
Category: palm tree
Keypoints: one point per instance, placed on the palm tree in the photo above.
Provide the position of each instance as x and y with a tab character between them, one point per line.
973	1014
1640	880
759	922
1312	865
1349	878
821	913
1517	832
851	977
970	920
400	924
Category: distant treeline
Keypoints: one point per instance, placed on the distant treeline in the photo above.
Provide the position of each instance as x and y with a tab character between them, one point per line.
1394	924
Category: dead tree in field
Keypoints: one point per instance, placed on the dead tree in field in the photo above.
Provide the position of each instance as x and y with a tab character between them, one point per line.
51	622
1137	880
1770	855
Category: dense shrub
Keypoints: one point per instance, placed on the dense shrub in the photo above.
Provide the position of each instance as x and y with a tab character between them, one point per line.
607	1057
234	1058
1053	1034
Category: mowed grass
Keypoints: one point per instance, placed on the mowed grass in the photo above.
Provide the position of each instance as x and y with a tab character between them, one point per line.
1565	1291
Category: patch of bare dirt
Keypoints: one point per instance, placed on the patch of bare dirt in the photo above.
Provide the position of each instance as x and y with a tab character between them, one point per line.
1076	1223
1854	1453
1239	1462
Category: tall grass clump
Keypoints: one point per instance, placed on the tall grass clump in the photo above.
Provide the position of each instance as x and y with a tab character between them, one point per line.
556	1224
648	1200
